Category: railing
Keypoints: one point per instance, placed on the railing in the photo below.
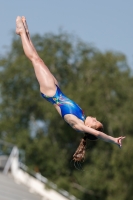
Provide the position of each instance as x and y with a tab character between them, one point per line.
14	153
13	162
47	182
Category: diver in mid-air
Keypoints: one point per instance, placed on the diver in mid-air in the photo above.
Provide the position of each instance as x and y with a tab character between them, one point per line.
50	90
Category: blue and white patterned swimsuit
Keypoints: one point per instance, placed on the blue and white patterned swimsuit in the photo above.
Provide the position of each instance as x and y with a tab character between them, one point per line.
66	105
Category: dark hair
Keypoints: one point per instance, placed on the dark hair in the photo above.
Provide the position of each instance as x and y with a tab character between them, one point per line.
90	137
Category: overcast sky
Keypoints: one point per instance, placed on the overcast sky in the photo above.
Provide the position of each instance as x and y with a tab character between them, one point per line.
108	25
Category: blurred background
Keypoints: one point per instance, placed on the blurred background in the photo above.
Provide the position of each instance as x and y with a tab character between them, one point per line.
88	47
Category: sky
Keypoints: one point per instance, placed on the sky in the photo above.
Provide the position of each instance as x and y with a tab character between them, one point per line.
107	25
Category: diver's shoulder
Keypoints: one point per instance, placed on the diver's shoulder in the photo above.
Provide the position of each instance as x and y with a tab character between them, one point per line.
73	121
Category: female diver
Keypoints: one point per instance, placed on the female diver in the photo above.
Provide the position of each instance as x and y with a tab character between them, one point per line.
67	108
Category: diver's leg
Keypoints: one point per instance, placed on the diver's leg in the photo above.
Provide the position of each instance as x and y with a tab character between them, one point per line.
45	78
27	31
28	35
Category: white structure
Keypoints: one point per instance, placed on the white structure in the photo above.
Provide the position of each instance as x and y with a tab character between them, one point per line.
36	183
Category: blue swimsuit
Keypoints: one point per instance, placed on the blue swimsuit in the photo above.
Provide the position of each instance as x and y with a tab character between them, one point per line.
66	105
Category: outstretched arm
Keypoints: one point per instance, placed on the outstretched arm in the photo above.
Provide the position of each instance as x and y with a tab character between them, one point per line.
100	135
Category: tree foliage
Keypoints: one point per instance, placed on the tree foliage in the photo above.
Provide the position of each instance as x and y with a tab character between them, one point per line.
101	83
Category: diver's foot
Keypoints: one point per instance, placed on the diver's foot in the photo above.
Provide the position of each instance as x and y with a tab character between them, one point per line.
19	26
25	24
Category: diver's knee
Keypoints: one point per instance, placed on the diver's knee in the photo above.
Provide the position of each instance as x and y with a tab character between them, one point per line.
36	59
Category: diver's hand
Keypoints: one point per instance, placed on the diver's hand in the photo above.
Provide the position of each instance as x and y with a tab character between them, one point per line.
118	141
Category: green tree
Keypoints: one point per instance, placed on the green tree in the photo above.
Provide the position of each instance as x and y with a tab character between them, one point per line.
101	83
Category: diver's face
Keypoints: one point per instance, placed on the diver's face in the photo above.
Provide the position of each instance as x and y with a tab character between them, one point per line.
92	122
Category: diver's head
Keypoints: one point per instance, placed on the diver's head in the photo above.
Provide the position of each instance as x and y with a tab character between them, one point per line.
92	122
